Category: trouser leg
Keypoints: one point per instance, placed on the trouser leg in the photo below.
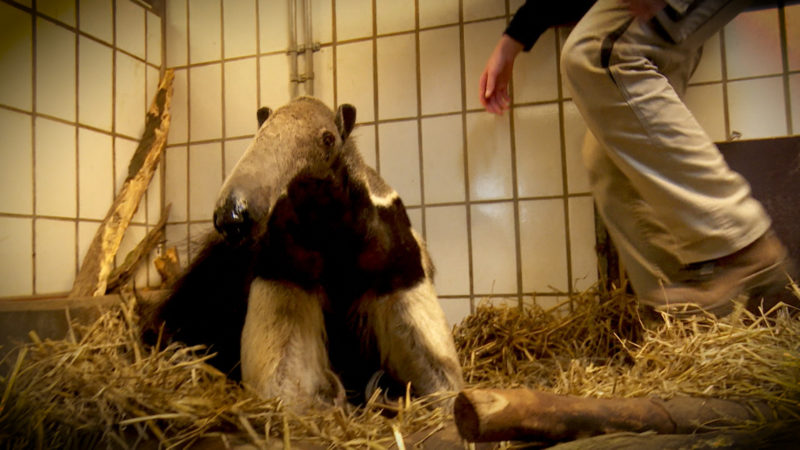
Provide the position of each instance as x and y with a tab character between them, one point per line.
686	203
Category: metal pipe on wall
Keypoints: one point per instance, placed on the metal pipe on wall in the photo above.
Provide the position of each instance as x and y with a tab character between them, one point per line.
308	77
293	76
308	48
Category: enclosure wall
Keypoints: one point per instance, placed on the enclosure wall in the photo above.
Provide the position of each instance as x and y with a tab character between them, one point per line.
76	77
502	201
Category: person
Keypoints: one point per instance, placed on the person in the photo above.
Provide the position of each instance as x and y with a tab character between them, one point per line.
686	226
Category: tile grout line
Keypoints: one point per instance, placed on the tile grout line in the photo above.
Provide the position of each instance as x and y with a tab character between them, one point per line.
420	153
34	51
564	172
188	232
375	110
782	29
465	153
76	257
512	135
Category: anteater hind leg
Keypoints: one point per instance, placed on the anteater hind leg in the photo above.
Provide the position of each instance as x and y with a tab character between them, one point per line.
412	335
283	345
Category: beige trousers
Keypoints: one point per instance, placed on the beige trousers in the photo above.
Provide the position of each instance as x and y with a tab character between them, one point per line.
661	185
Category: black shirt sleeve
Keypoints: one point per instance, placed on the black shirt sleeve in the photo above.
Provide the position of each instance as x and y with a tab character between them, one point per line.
536	16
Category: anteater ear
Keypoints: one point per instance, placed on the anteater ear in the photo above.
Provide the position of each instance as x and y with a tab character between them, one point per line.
263	114
345	119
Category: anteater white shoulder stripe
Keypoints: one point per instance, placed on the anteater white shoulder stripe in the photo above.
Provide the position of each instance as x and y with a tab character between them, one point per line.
385	201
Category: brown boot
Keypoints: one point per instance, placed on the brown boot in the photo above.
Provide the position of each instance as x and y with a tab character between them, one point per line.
761	268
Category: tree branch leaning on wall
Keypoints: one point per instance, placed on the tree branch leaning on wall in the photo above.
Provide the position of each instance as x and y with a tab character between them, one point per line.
92	279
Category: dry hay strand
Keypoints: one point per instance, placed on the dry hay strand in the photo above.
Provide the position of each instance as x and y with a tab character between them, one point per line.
104	388
508	346
605	349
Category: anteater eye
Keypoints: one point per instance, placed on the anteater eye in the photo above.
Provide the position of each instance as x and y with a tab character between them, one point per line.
328	139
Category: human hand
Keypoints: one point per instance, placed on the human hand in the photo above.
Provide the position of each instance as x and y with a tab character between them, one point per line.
493	86
644	9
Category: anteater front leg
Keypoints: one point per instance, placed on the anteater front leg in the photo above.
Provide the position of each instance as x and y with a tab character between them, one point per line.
283	345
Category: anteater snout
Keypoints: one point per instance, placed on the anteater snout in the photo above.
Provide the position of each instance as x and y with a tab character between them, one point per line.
232	218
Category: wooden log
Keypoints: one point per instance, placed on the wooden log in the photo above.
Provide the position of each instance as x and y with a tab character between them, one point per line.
127	269
484	415
92	278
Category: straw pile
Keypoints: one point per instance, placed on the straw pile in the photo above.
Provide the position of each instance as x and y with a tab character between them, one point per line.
102	387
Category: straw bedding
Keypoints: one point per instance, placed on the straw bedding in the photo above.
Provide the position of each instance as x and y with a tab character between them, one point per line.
101	387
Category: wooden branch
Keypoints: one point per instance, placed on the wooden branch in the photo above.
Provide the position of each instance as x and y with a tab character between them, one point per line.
127	269
169	267
484	415
92	278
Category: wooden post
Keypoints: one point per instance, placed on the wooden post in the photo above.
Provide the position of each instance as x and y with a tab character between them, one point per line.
93	276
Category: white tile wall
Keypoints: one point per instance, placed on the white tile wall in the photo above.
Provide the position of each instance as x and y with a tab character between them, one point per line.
130	28
706	103
448	244
96	19
177	38
129	104
234	150
61	153
354	78
95	84
205	179
480	9
397	81
16	163
323	75
235	60
179	109
493	248
16	63
752	44
443	159
399	159
95	174
55	70
538	150
205	43
353	19
489	157
273	25
793	36
757	107
536	73
393	16
205	102
478	46
153	44
61	10
55	168
55	255
582	243
437	12
574	132
543	245
239	28
240	102
440	61
794	88
274	85
710	66
176	183
16	256
364	136
322	21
